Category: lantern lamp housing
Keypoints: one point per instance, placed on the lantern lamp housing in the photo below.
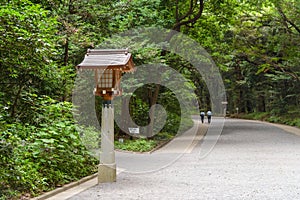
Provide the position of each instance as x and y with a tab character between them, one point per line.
108	66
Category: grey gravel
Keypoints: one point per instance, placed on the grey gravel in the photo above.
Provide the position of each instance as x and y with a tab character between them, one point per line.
250	161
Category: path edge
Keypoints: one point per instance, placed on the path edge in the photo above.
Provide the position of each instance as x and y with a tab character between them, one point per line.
64	188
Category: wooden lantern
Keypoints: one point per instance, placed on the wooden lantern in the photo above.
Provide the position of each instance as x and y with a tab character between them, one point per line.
108	65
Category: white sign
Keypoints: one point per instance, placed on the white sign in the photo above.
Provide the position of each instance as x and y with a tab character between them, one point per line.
224	102
134	130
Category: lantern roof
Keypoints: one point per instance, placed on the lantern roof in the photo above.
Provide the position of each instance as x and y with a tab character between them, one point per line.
119	59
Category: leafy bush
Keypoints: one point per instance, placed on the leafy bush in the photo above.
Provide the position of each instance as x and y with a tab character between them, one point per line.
163	136
291	119
138	145
43	154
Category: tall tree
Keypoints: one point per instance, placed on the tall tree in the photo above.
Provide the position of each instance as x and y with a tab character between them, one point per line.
27	48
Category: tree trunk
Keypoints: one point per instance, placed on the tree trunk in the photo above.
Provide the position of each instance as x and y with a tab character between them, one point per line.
15	104
187	19
124	112
153	97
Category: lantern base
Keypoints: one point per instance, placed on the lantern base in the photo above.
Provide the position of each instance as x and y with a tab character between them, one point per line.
107	173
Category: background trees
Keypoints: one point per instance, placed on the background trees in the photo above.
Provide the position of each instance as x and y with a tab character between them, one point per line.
27	48
264	64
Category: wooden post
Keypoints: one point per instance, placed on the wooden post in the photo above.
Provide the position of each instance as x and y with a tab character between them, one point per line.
107	166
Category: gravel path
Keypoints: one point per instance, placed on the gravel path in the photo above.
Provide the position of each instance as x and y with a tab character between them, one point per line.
250	161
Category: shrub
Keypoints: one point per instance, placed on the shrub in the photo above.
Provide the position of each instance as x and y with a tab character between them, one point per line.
138	145
43	154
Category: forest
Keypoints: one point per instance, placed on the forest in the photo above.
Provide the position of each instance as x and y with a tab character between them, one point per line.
254	44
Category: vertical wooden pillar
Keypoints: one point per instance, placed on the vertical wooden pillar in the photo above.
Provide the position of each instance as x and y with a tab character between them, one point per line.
107	166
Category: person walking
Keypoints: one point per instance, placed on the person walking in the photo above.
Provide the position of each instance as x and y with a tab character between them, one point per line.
209	116
202	114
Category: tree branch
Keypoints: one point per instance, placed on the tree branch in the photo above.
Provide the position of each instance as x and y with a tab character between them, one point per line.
188	13
180	23
287	20
177	10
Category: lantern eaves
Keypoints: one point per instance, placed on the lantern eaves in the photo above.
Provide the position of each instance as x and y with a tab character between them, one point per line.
119	59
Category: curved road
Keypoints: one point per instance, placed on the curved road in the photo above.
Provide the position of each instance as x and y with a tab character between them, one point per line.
251	160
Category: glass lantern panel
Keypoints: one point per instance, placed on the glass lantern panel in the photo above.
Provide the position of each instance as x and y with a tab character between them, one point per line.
105	78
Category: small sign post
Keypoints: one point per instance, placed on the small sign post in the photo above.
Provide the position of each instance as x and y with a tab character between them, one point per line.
134	130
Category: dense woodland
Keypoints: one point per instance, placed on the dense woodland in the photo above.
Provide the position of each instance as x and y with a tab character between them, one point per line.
255	45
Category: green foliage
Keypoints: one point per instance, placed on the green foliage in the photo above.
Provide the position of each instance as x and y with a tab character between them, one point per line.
262	73
289	118
138	13
255	44
257	116
27	49
137	145
90	137
163	136
46	153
